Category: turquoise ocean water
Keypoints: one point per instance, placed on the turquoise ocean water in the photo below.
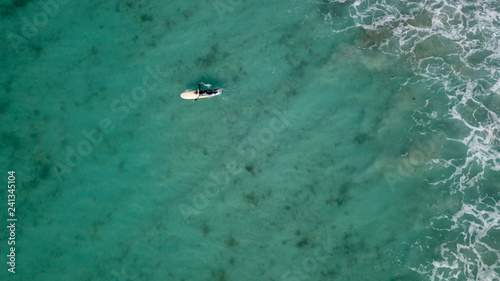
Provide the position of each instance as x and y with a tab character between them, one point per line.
354	140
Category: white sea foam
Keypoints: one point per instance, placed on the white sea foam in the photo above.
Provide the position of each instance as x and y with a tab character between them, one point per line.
454	48
473	253
206	84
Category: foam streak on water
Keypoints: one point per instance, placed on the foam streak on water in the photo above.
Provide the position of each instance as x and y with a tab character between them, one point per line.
482	140
453	48
472	254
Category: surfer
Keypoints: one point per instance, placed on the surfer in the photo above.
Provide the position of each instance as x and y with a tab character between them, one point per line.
210	92
201	94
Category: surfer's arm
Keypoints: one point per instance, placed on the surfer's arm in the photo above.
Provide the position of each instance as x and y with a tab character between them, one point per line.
197	93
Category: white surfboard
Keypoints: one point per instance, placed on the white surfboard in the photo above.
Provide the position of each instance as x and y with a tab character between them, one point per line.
191	95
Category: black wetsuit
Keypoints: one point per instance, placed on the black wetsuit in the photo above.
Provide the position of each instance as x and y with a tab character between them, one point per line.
208	92
205	92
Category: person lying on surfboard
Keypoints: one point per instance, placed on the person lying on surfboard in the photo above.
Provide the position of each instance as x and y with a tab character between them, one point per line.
205	93
201	94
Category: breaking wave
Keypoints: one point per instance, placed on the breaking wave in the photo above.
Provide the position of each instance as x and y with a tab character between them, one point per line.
453	49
